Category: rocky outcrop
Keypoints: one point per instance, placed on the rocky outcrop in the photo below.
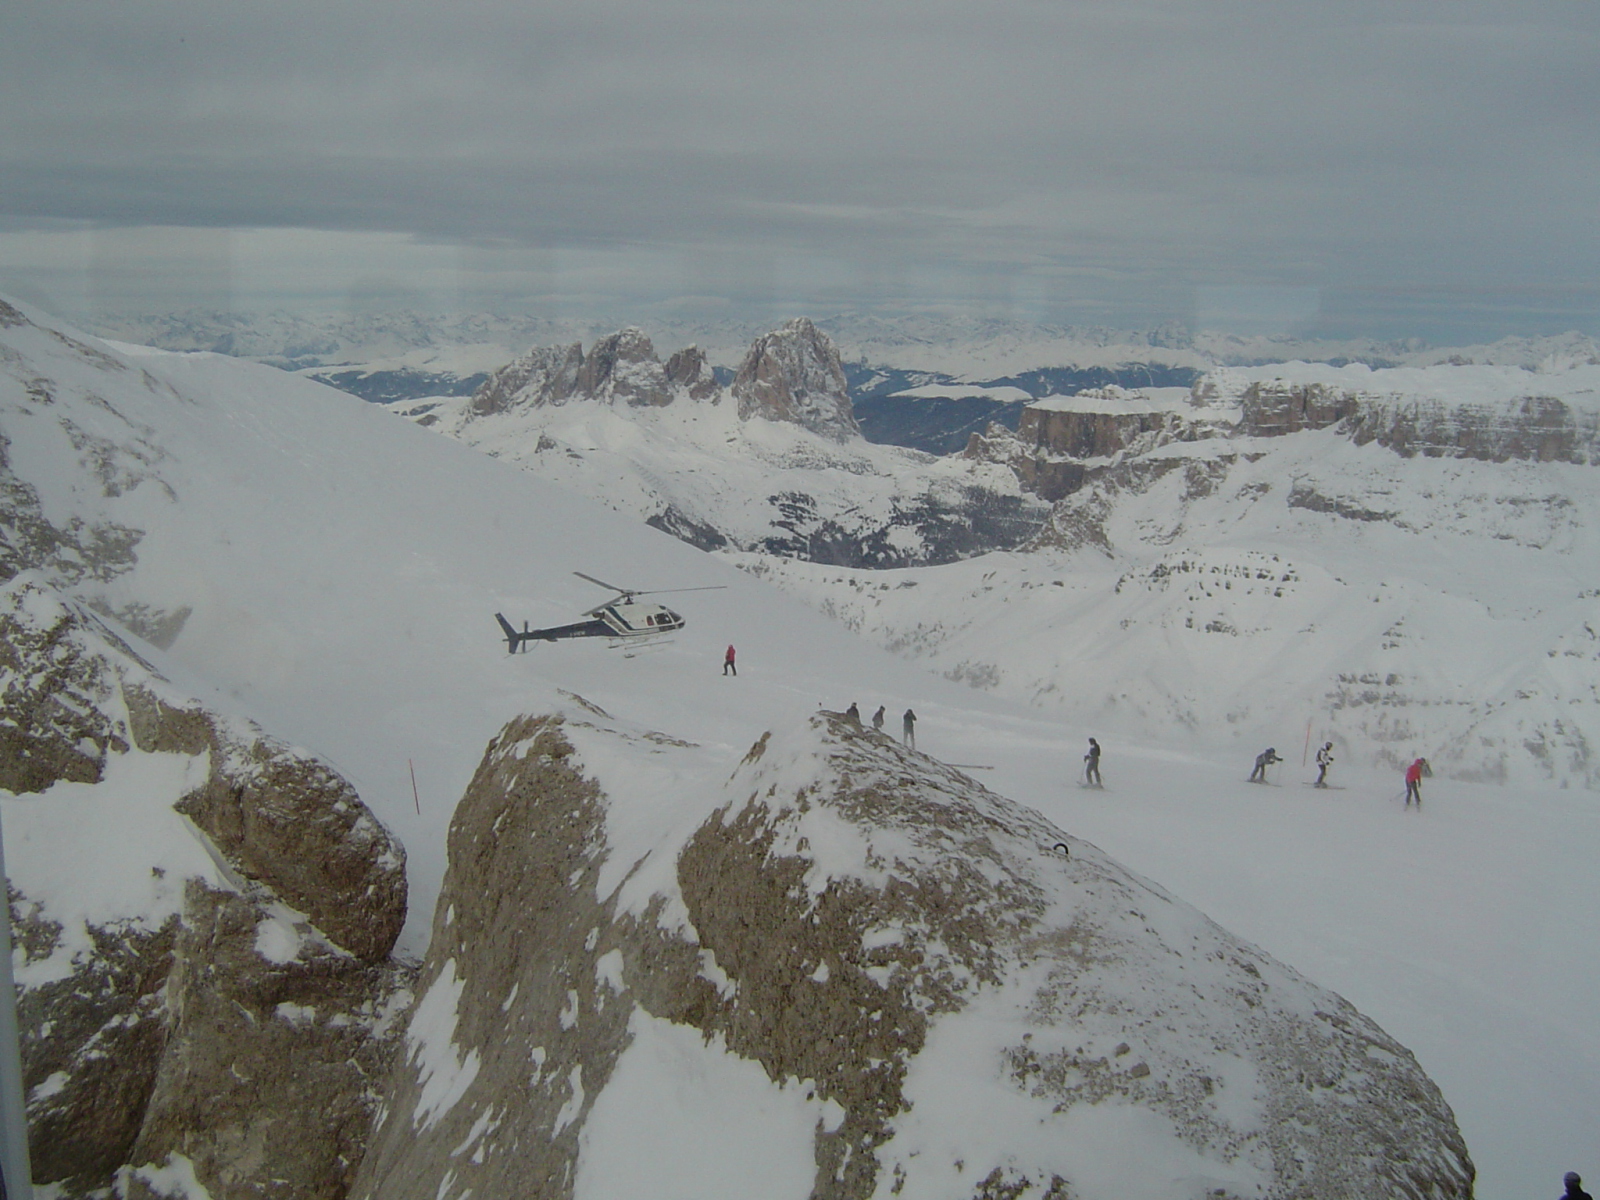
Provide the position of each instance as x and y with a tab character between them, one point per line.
1039	473
1531	429
1084	431
265	1088
882	937
1528	429
1053	450
689	369
620	367
222	1009
1272	409
794	374
623	366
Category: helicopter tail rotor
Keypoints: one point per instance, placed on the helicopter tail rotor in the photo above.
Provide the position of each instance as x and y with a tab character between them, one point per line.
513	638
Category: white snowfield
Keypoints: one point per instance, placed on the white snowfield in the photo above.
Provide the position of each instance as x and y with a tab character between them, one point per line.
340	568
1293	589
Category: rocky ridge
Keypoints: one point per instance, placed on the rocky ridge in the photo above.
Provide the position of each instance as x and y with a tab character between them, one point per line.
776	462
212	998
1516	421
849	917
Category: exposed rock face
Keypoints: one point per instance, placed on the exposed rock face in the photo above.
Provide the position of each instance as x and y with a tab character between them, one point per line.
623	366
1532	429
794	374
1270	409
230	1010
1088	433
689	369
546	375
855	917
266	1086
1047	477
513	1029
1529	429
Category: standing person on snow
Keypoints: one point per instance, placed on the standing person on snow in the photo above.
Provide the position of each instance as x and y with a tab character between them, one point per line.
1264	760
909	727
727	663
1324	761
1414	774
853	713
1574	1188
1091	765
877	719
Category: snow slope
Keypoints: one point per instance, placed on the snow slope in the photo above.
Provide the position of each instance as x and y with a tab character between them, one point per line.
340	568
1274	590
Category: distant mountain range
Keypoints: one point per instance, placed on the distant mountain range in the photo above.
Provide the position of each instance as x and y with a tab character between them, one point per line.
922	382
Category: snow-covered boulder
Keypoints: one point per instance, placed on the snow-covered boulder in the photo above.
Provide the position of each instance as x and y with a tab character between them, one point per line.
794	374
862	974
203	921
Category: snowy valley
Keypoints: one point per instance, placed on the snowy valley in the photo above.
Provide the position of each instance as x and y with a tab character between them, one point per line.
701	934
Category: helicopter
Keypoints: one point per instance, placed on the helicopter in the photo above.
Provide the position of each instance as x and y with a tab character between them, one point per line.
621	618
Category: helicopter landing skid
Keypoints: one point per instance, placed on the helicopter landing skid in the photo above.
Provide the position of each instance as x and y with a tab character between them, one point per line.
632	647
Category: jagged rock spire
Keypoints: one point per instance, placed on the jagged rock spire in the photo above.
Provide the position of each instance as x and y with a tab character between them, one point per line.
794	374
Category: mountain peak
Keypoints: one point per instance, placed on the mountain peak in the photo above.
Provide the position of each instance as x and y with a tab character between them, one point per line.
794	374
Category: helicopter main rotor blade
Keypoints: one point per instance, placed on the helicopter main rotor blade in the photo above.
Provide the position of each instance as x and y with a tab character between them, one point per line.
610	587
664	591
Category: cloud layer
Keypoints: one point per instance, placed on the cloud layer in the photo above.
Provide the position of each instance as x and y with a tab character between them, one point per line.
1078	159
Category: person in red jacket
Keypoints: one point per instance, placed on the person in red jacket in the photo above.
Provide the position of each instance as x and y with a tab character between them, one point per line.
1414	774
727	663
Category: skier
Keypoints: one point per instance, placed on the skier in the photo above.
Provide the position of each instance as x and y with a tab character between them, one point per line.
1414	774
1324	761
1574	1188
1264	760
877	719
909	725
1091	767
727	663
853	713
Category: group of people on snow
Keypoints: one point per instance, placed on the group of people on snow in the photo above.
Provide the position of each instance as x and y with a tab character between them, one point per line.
1414	773
908	722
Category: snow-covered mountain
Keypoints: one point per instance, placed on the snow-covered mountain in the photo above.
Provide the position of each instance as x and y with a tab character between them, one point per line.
775	462
924	382
1401	561
280	552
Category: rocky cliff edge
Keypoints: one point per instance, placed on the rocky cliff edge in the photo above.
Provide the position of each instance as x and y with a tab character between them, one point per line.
851	971
202	917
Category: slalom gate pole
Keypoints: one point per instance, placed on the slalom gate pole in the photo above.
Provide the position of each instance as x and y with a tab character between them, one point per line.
415	799
1305	752
18	1178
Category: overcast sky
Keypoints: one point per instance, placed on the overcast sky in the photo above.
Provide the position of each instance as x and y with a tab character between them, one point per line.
1386	168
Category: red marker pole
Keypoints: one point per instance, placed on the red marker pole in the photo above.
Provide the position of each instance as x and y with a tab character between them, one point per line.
415	799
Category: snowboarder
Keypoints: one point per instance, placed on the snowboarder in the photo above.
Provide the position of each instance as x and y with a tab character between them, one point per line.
909	725
853	713
1264	760
1414	774
727	663
1324	761
1091	765
877	719
1574	1188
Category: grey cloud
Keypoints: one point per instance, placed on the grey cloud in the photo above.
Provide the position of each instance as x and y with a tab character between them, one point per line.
1161	144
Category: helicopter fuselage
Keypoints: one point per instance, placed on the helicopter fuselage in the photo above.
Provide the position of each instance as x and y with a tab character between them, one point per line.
623	618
